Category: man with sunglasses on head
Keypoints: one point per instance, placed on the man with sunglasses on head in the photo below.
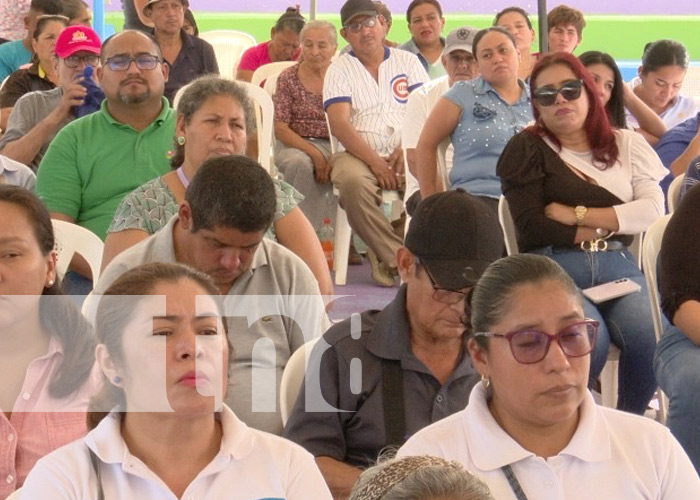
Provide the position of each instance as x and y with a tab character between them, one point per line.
38	116
395	371
364	95
96	160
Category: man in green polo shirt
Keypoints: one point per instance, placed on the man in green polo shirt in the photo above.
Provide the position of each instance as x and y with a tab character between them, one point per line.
96	160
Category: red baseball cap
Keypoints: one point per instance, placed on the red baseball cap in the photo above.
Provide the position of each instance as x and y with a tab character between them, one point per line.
76	38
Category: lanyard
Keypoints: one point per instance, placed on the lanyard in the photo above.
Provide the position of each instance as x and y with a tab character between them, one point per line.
514	483
183	178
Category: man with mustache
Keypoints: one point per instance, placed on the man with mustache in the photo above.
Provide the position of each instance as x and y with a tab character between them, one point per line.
96	160
364	94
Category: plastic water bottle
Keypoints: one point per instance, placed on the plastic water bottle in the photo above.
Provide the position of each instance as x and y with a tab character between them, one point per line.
325	234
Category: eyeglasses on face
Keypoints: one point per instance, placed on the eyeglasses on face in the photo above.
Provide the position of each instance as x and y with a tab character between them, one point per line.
440	294
531	346
547	95
143	61
74	61
370	22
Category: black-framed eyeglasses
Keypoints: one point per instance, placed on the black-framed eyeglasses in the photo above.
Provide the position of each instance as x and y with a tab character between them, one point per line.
441	294
547	95
74	61
143	61
531	346
370	22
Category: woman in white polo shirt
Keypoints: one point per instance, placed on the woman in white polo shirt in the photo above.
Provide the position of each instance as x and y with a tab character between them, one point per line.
531	429
161	430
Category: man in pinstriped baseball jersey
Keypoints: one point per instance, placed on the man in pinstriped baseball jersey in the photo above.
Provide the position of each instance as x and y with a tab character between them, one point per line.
364	94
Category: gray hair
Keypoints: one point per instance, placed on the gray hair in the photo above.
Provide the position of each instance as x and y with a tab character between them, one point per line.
202	89
419	478
490	299
319	24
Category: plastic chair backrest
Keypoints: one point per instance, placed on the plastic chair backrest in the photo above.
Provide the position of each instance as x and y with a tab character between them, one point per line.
674	193
507	226
292	378
264	122
229	46
71	239
267	70
650	253
691	82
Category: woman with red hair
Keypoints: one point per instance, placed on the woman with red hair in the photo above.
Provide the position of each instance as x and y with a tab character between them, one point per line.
579	191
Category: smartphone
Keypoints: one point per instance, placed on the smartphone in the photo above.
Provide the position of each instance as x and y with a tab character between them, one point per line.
611	290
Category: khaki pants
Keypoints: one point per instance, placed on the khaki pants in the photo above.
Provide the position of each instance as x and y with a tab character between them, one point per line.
361	198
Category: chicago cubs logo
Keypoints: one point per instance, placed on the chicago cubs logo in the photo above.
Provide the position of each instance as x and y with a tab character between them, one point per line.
399	87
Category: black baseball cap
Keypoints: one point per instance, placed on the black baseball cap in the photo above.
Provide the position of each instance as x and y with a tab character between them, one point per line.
456	236
353	8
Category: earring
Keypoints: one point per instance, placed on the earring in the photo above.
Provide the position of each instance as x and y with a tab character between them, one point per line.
180	140
50	283
486	382
117	379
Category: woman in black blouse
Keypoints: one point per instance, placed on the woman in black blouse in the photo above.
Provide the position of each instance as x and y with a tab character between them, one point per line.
579	191
677	362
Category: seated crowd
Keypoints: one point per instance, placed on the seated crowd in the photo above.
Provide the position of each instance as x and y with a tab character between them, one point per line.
479	375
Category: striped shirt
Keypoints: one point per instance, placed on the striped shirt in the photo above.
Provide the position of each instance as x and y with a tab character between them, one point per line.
378	107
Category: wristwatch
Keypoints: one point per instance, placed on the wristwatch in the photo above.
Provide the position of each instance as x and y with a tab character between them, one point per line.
580	212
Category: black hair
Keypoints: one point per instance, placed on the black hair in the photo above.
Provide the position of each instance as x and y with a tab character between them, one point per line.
106	43
664	53
291	20
491	296
189	17
417	3
507	10
110	321
234	192
59	315
485	31
616	105
50	7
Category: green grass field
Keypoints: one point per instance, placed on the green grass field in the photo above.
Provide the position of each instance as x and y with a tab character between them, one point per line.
622	36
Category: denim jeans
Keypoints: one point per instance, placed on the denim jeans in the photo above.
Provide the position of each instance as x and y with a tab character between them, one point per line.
625	321
677	367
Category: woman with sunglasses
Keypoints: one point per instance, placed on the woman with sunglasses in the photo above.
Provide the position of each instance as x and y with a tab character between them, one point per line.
579	191
531	429
480	116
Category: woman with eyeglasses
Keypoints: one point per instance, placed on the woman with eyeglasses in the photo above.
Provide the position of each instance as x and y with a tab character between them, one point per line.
579	191
160	429
41	75
480	116
531	429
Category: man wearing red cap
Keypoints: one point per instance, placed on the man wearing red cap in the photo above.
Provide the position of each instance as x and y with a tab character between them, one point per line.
38	116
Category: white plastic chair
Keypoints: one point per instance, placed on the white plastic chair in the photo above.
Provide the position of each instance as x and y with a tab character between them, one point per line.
652	246
71	239
674	193
507	226
267	70
292	378
691	82
343	231
264	122
229	46
15	494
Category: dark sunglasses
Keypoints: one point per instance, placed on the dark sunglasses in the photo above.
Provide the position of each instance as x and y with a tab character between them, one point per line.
546	96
